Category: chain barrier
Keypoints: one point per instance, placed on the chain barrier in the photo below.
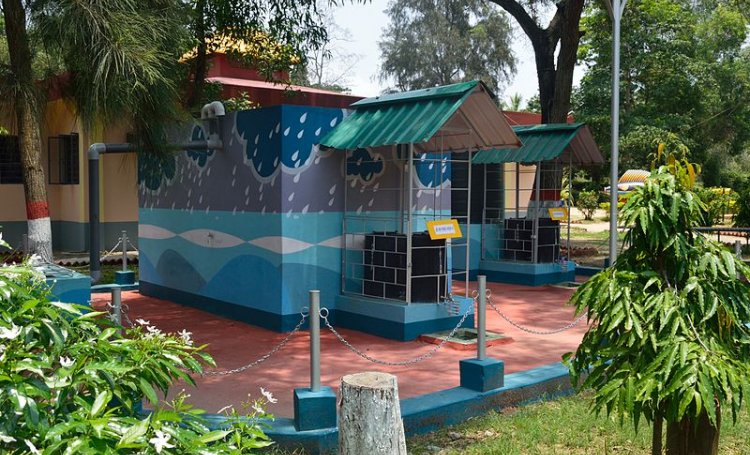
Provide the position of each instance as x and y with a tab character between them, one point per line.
526	329
134	248
270	353
109	253
124	309
412	361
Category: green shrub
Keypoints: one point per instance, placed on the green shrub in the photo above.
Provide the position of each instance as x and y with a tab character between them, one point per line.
70	382
588	202
719	202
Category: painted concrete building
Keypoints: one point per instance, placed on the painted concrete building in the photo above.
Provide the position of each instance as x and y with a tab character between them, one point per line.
64	159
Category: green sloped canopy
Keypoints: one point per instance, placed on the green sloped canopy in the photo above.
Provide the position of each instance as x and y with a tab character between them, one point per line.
453	117
547	142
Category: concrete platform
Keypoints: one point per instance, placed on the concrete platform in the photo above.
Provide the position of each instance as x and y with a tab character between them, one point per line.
234	344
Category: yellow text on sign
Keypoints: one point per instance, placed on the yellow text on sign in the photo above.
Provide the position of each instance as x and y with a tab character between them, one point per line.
444	229
558	213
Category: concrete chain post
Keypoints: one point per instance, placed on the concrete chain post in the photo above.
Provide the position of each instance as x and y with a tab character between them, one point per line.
315	341
482	318
124	251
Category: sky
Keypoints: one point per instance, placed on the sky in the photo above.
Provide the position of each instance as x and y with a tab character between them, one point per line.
365	24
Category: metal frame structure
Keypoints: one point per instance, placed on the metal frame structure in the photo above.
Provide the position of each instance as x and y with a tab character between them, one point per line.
383	249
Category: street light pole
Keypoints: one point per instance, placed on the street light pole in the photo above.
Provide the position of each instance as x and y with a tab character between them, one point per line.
615	8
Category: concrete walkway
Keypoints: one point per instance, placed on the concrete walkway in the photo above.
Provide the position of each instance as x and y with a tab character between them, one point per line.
233	344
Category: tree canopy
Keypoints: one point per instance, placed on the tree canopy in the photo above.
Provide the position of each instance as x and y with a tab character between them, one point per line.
438	42
685	77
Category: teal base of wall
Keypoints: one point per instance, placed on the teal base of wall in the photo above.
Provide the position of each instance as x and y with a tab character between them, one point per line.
66	285
395	320
71	235
527	273
265	319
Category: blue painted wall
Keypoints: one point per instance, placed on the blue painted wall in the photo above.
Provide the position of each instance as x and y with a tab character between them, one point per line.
248	230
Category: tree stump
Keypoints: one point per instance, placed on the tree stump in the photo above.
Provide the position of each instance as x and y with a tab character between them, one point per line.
370	415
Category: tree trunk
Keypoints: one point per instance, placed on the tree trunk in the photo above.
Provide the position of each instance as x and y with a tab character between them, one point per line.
29	138
570	35
658	434
370	415
199	63
689	437
544	55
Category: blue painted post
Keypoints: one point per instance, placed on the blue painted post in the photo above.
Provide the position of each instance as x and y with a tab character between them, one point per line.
482	318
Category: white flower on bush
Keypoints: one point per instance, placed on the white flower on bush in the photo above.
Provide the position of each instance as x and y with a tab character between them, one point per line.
142	321
2	352
10	333
153	330
258	408
161	441
185	335
268	395
32	447
6	439
66	362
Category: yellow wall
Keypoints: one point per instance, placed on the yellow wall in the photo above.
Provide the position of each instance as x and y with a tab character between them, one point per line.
118	189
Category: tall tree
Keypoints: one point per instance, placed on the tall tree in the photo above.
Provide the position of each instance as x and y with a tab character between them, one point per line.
119	56
438	42
685	77
561	35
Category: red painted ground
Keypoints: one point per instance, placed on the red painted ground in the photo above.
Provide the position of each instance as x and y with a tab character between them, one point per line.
234	344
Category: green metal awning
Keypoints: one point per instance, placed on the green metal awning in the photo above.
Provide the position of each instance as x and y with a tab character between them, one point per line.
546	142
452	117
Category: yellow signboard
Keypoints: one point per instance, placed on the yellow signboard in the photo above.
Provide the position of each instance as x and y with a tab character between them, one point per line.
444	229
558	213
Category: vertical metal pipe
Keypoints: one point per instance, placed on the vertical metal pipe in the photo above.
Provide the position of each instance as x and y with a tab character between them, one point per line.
468	223
483	237
482	318
124	251
315	341
117	304
614	156
409	221
94	234
535	236
518	189
738	248
570	204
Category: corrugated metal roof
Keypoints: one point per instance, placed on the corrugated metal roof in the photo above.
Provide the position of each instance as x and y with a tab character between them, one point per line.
547	142
452	117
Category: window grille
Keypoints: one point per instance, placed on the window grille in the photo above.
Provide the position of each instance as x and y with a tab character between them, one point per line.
63	159
10	160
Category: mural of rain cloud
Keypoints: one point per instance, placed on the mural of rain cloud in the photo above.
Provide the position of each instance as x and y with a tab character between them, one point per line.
433	170
153	170
263	134
364	166
200	156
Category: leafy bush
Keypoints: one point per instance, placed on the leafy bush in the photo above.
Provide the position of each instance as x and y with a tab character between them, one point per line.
70	382
719	202
588	202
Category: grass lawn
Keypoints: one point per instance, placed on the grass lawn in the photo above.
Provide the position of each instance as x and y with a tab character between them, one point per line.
563	426
108	271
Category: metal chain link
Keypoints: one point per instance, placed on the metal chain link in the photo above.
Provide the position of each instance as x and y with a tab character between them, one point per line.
109	253
417	359
532	331
131	245
265	357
